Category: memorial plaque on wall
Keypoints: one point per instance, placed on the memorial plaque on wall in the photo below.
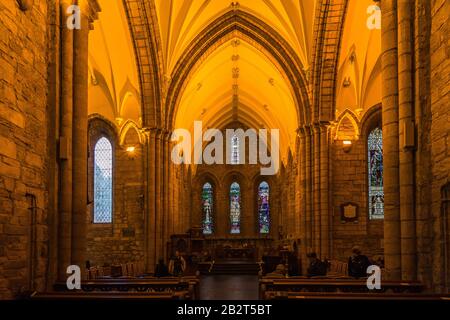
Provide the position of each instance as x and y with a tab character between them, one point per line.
349	212
128	232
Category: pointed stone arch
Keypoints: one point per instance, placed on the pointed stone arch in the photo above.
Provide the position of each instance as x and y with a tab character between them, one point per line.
347	117
126	127
256	32
142	20
328	26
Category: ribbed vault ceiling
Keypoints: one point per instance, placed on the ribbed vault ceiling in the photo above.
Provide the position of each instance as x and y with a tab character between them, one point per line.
181	20
265	98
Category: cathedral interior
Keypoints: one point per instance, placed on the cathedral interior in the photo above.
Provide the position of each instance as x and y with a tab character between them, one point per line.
353	93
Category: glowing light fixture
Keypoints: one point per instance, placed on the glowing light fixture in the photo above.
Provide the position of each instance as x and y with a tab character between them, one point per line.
347	144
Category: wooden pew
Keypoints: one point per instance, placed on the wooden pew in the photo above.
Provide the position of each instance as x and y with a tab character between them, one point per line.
81	295
343	285
281	295
144	284
337	268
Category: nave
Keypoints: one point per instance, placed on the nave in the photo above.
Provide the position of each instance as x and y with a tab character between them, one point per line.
190	149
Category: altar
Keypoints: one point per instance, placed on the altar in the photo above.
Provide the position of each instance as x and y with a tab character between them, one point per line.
241	254
237	249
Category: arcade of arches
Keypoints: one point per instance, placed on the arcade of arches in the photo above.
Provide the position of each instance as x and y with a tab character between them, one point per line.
86	119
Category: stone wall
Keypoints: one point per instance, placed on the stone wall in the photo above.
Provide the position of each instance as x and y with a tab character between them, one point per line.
440	129
349	186
23	147
123	239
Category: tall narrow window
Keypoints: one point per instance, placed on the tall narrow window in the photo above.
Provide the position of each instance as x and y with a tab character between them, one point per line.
375	162
103	183
207	205
235	150
235	208
263	208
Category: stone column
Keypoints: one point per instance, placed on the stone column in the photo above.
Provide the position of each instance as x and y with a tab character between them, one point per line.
316	190
167	219
151	201
308	190
422	115
303	220
89	9
158	195
324	192
390	139
405	96
66	113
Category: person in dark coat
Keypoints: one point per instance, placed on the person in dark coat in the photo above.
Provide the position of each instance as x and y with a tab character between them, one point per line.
358	264
177	265
316	266
161	270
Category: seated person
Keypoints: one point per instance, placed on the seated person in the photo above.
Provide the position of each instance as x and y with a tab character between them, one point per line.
177	265
161	269
358	264
280	272
316	266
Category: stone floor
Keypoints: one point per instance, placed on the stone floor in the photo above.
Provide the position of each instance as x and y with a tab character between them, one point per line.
229	287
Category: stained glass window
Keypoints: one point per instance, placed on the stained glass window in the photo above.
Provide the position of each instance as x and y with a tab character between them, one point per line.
207	205
263	207
375	162
103	183
235	208
235	150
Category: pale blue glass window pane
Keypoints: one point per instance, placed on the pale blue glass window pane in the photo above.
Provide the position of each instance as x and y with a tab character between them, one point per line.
103	183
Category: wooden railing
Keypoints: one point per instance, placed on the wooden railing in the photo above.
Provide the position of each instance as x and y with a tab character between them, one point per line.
302	284
279	295
178	295
139	285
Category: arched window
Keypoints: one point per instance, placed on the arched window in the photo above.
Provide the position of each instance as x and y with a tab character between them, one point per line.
375	163
103	182
263	208
235	150
235	208
207	206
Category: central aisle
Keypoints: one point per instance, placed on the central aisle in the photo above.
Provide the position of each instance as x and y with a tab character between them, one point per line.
229	287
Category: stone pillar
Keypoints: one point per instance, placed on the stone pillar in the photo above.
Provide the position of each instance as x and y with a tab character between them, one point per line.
66	112
158	195
167	219
308	190
423	166
406	99
151	201
316	190
88	10
324	192
303	211
390	139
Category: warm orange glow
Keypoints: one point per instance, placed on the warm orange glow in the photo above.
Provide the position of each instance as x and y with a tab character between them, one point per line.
359	62
131	149
181	21
113	74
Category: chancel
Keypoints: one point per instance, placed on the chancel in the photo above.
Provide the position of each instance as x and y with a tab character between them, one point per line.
251	149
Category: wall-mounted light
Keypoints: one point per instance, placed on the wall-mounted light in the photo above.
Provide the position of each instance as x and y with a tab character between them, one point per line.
347	145
347	82
131	151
